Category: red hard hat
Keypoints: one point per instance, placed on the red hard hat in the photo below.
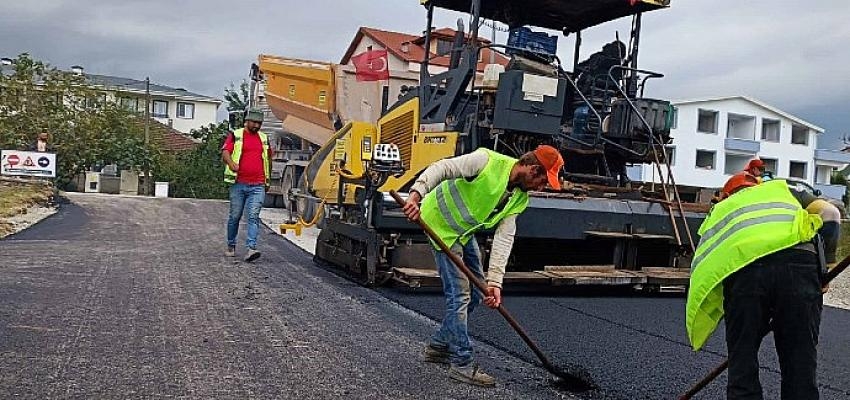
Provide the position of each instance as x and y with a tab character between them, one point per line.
755	163
738	182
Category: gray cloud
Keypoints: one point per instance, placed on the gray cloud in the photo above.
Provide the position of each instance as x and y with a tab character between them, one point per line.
789	54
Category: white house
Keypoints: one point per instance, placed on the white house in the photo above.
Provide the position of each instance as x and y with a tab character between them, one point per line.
714	138
175	107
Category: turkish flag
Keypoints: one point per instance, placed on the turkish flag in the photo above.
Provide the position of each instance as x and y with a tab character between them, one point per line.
371	65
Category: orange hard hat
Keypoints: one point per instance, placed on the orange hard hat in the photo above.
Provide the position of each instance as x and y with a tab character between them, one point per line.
738	182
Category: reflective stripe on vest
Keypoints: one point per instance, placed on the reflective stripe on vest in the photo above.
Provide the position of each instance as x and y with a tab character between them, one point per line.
468	220
238	137
457	208
749	225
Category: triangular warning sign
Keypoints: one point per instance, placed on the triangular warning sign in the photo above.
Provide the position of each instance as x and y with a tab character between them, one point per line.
28	162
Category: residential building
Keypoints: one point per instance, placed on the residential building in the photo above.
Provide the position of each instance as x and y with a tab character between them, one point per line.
177	108
405	53
714	138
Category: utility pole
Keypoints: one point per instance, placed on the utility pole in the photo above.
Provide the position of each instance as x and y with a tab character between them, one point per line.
148	180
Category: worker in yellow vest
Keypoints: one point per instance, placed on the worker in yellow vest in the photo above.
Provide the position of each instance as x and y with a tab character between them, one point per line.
247	158
760	265
461	196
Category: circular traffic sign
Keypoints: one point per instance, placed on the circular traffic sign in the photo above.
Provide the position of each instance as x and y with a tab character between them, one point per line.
13	160
43	162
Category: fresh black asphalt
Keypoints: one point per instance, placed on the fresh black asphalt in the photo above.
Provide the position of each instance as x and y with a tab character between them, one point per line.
131	298
119	298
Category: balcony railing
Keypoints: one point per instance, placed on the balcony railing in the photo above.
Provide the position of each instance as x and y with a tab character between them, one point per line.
742	145
832	156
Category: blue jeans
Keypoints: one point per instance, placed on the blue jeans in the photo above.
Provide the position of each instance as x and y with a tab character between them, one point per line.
245	197
461	299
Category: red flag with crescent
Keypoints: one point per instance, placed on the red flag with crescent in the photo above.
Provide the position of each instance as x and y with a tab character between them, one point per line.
371	65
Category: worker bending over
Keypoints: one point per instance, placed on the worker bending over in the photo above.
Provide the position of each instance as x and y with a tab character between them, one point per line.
761	259
461	196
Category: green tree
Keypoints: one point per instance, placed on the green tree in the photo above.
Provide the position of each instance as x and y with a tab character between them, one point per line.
84	129
198	173
237	98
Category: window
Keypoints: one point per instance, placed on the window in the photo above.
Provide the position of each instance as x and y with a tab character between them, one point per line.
799	134
770	164
735	163
705	159
707	122
130	103
674	119
770	130
671	154
96	101
185	110
797	169
740	127
159	109
444	47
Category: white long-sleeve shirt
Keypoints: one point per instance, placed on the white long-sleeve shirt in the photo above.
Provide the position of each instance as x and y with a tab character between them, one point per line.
469	166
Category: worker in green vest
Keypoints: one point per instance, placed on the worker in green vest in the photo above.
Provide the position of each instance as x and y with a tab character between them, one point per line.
461	196
247	158
760	265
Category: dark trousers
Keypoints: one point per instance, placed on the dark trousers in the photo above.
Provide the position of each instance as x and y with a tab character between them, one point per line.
781	291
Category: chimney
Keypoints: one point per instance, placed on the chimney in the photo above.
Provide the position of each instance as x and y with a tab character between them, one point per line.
77	70
405	47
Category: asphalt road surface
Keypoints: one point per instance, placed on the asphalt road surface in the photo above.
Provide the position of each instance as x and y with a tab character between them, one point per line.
118	297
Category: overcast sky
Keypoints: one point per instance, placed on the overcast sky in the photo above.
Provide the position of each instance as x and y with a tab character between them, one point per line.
790	54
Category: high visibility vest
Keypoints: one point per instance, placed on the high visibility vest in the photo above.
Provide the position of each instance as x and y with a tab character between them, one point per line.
230	176
750	224
457	208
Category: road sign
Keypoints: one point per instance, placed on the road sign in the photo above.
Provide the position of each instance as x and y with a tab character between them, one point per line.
33	164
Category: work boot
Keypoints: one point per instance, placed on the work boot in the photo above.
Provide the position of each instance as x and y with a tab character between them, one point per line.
435	354
471	374
230	252
252	255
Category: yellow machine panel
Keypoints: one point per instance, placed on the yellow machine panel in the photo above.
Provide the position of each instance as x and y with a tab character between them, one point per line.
346	153
418	149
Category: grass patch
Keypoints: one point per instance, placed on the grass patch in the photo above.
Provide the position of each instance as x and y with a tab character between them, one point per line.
18	196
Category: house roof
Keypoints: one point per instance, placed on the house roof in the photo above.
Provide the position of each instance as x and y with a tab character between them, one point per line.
132	85
395	41
170	139
135	85
758	103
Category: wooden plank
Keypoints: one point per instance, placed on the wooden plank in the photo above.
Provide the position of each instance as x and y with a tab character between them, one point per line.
667	276
632	236
612	277
575	268
526	278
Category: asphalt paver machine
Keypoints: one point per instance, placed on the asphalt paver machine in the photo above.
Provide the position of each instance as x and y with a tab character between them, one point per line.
599	229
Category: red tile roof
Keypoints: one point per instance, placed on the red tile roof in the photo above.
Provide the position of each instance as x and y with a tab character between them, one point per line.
172	140
395	41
